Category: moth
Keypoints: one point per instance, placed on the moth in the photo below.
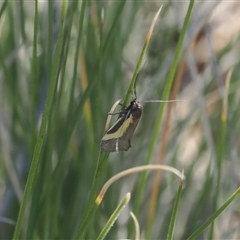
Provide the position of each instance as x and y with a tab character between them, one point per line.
118	137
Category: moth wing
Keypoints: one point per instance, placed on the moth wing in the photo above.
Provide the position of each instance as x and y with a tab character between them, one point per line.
118	137
123	136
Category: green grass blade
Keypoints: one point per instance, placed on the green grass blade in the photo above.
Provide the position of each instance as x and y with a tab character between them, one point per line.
40	138
114	217
139	63
174	213
113	28
76	57
220	151
214	216
91	205
34	79
3	8
168	86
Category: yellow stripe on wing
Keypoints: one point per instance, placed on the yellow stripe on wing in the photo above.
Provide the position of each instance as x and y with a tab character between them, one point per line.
121	130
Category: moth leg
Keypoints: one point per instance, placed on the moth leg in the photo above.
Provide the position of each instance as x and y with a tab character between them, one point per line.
122	112
120	104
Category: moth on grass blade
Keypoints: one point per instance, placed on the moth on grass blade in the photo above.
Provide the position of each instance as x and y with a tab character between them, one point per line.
118	137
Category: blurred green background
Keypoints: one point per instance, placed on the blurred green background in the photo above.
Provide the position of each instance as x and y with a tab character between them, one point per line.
90	69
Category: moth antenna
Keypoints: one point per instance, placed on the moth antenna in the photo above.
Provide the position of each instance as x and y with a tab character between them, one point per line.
164	101
134	91
134	88
133	94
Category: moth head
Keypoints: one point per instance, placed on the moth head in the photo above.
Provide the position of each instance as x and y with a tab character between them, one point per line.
136	110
